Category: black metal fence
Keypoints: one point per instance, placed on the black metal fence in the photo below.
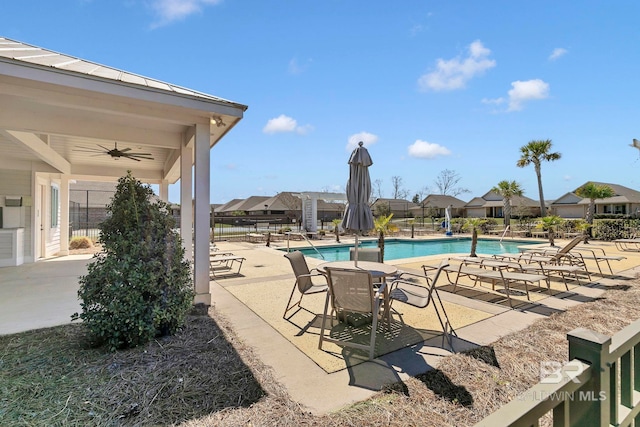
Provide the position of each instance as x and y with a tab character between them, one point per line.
87	209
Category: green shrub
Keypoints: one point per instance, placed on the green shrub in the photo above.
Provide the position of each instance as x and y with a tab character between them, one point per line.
610	216
487	224
611	229
80	242
140	287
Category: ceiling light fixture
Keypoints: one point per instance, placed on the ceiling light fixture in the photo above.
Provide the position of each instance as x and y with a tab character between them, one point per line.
217	120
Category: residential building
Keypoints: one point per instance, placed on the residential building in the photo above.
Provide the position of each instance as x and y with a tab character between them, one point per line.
491	205
400	208
434	205
626	201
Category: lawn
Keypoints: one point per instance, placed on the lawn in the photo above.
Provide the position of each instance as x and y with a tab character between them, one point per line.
206	376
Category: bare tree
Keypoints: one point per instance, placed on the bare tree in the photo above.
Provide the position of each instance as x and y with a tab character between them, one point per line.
398	191
447	183
293	204
421	194
377	189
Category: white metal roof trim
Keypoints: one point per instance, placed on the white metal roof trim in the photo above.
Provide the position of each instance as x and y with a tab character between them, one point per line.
35	55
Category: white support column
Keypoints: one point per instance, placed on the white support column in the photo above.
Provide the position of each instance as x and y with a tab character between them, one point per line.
314	214
164	190
202	214
64	214
186	207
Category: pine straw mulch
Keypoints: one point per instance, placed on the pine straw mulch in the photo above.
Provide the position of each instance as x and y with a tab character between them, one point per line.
54	377
206	376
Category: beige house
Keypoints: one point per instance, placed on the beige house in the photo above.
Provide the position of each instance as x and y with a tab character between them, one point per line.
65	119
625	202
400	208
289	204
226	208
242	205
491	205
304	209
436	204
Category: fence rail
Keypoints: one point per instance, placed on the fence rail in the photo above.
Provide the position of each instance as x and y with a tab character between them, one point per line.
600	386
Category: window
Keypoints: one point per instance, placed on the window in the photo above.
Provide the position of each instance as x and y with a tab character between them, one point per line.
55	193
620	209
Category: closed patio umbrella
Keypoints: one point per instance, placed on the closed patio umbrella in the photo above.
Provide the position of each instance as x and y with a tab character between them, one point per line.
357	215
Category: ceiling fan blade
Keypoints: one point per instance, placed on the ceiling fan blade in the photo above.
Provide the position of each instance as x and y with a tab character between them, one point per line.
115	153
88	151
138	154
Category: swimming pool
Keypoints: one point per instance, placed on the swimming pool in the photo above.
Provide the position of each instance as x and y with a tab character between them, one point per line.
401	248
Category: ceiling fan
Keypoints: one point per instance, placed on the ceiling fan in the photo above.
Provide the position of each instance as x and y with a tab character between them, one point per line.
116	153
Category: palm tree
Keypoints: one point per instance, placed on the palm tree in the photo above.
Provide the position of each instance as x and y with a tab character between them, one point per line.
593	191
383	225
474	223
507	189
548	223
336	227
535	152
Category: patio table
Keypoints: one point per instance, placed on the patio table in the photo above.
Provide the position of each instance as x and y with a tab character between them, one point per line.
378	270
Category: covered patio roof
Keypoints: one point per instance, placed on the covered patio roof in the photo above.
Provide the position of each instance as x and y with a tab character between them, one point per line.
55	107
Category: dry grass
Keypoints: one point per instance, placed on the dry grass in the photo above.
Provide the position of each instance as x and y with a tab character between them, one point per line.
206	376
81	242
93	248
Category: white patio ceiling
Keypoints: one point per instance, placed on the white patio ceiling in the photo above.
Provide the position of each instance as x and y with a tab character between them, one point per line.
52	105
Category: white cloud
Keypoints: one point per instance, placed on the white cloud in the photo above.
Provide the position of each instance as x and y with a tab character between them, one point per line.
174	10
283	124
427	150
455	73
523	91
296	68
367	138
557	53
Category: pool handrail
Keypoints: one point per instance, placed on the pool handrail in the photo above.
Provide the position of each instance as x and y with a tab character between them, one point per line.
304	236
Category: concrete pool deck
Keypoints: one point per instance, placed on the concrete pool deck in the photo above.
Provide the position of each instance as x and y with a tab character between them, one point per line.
43	294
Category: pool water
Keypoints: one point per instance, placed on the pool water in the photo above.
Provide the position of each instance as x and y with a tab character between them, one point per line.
399	248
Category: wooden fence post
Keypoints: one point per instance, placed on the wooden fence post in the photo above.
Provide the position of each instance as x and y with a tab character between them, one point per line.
591	406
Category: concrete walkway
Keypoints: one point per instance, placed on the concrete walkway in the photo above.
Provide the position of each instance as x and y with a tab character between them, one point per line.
45	294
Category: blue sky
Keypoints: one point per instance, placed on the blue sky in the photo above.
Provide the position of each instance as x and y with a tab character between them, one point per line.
427	85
